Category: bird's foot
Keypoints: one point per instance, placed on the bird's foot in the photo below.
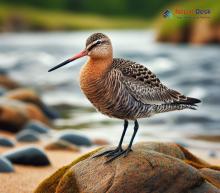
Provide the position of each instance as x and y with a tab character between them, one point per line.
118	154
109	152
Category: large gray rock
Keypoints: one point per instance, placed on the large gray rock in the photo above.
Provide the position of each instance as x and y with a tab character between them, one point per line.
149	168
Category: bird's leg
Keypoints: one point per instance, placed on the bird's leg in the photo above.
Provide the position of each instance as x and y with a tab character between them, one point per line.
136	126
125	152
119	147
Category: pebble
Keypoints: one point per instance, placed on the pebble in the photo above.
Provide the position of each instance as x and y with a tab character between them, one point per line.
5	165
6	142
75	139
37	127
27	136
28	156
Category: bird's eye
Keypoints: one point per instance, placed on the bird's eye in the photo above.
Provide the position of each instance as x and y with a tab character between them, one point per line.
98	42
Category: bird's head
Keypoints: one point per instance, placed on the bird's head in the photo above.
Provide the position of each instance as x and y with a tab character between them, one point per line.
98	46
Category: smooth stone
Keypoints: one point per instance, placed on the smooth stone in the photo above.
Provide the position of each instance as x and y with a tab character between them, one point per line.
37	127
28	156
6	142
149	168
75	139
27	136
61	145
5	165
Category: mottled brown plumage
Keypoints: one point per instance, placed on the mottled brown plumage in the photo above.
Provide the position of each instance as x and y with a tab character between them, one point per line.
124	89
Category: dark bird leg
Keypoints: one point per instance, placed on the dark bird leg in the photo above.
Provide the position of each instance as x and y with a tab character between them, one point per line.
119	148
125	152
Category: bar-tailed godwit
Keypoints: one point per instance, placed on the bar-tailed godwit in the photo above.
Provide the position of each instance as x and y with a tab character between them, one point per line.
123	89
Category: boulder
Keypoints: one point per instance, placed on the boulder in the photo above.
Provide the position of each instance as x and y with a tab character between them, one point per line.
61	145
75	139
149	168
30	96
6	142
5	165
27	136
28	156
15	114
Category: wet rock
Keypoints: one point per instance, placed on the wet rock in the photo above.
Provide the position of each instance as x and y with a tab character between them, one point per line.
61	145
37	127
30	96
6	142
28	156
27	136
15	114
5	165
75	139
149	168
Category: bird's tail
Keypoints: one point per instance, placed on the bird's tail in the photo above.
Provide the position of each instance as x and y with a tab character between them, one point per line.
189	103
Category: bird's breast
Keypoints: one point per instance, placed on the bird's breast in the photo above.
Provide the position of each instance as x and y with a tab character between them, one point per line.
93	85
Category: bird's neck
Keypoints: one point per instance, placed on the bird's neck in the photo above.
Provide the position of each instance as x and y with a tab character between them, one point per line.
96	68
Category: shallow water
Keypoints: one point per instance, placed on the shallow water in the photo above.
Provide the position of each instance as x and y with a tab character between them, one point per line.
193	70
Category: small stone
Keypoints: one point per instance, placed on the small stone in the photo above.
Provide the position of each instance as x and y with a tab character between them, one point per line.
61	145
6	142
37	127
100	142
75	139
213	154
28	156
5	165
27	136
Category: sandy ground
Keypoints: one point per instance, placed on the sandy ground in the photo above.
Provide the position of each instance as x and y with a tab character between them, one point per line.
25	178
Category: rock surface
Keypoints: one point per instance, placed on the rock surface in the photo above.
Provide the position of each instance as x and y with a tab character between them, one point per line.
151	167
6	142
28	156
5	165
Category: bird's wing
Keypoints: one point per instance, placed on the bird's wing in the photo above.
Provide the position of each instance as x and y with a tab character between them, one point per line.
143	85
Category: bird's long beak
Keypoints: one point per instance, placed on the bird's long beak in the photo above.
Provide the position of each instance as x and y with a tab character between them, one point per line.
79	55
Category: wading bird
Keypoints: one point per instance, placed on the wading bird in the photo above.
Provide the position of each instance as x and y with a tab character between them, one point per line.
123	89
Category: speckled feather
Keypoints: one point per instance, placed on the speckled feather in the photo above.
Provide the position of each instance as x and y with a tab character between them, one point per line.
143	85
